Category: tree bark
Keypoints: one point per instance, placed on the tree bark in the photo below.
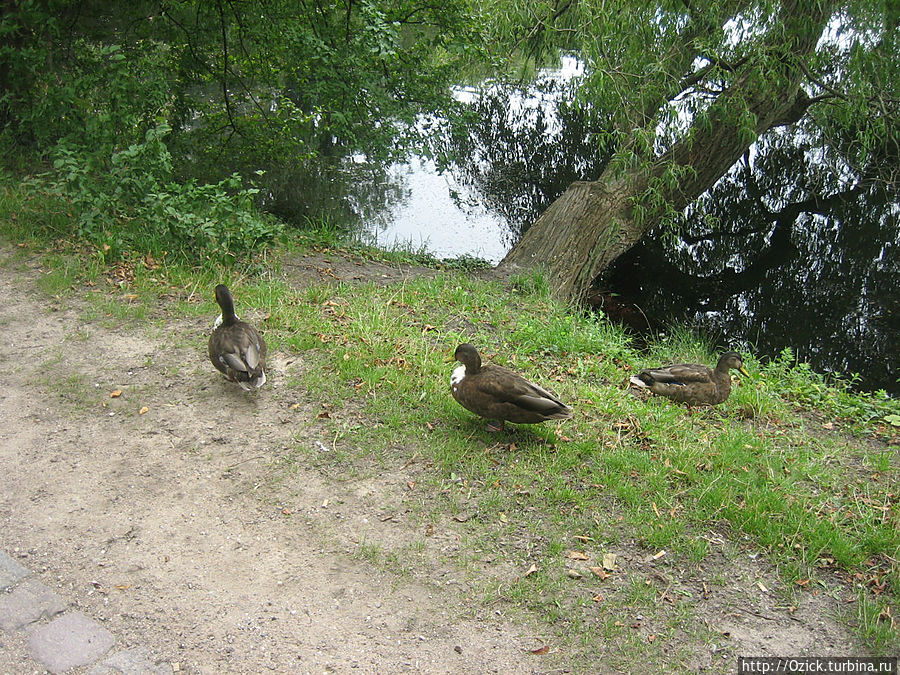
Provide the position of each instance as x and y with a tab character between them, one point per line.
594	222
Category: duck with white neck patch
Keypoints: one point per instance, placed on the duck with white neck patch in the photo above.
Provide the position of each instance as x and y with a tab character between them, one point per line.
497	393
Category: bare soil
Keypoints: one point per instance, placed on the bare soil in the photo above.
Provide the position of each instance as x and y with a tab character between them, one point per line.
167	513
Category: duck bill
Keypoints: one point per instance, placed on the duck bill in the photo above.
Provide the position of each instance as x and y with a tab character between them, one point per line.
743	371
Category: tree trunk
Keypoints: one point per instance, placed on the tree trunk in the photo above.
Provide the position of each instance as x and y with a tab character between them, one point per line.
593	223
584	230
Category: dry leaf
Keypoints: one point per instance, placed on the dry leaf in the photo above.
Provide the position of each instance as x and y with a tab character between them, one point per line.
286	511
597	598
600	572
802	582
609	561
658	555
651	638
503	518
573	574
541	650
762	587
115	394
143	410
531	570
123	587
411	484
577	555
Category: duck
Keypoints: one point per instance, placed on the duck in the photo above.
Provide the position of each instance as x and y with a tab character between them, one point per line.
235	347
693	383
497	393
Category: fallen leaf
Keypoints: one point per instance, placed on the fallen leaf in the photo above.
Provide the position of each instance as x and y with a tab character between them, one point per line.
597	598
577	555
802	582
573	574
582	537
531	570
658	555
762	587
828	425
541	650
636	625
143	410
429	530
609	561
503	518
411	484
286	511
600	572
651	638
115	394
618	623
123	587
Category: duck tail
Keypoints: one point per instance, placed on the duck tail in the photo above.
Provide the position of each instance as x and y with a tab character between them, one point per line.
638	382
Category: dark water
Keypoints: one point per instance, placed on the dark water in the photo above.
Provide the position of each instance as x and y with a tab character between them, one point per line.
801	254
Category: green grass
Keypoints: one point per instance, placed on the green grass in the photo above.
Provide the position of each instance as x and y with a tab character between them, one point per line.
791	465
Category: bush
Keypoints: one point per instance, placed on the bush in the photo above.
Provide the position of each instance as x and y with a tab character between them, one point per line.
127	200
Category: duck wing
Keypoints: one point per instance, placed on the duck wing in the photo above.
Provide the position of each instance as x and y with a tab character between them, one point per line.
505	386
682	373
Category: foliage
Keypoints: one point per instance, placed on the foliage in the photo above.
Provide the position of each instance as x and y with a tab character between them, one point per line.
128	201
833	399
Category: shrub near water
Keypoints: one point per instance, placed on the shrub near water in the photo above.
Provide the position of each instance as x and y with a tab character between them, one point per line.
129	201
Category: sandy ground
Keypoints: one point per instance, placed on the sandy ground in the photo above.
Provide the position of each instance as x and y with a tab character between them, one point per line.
165	525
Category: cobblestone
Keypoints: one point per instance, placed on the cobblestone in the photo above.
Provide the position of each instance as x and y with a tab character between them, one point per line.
37	634
28	602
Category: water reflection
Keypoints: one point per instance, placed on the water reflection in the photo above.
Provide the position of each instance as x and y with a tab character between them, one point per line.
794	260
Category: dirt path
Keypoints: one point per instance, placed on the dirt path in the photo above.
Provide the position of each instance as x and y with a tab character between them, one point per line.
152	523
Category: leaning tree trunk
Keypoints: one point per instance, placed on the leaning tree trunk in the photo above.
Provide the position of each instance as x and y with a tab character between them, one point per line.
579	234
593	222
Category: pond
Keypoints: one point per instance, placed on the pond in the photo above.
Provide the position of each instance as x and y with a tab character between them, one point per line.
795	261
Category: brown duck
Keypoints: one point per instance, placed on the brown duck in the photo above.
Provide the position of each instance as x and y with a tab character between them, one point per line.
693	383
497	393
236	348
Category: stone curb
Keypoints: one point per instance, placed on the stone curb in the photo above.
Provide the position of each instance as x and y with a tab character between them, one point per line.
57	639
